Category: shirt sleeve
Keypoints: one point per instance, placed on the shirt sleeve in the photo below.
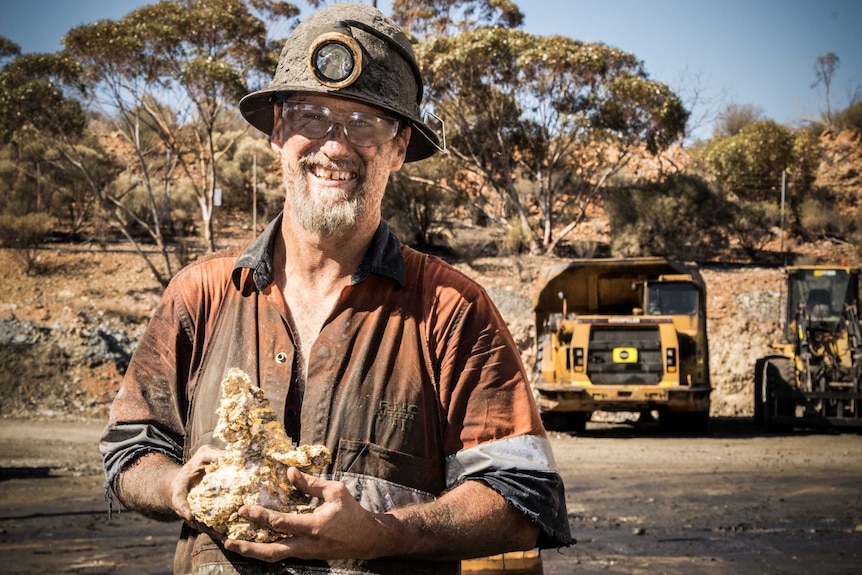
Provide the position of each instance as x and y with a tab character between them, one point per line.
121	444
149	412
523	471
145	415
493	431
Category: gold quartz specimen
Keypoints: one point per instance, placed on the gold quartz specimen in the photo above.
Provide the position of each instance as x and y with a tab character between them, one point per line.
253	470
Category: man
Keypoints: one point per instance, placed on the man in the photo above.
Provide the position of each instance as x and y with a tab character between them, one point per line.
392	359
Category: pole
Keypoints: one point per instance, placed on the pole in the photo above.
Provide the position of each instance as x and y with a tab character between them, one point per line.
781	294
783	194
254	197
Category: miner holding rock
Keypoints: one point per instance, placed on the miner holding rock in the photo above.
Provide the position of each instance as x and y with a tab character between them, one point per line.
397	363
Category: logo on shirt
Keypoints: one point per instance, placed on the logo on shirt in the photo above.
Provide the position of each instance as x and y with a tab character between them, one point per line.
401	414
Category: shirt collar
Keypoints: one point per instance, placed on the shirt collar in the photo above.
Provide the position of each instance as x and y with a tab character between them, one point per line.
383	257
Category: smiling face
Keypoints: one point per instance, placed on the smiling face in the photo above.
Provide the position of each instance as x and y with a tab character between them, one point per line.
332	186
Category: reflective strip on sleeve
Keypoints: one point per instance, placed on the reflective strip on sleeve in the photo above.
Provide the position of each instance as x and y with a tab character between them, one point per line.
527	453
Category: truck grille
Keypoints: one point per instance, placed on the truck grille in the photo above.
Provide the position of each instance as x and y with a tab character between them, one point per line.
601	367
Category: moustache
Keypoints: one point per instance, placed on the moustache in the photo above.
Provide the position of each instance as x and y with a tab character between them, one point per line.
327	163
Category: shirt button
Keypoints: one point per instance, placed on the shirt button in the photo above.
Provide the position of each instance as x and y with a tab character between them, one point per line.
280	357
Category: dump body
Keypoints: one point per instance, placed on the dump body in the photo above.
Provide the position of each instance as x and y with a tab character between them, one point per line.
813	378
622	335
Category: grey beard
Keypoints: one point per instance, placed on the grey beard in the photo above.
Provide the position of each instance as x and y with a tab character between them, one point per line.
327	221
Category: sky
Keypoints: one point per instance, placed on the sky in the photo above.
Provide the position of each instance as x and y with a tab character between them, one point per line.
760	53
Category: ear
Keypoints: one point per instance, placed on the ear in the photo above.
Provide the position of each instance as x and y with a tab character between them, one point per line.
399	148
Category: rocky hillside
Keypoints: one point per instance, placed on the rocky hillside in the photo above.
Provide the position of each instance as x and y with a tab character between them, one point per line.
66	333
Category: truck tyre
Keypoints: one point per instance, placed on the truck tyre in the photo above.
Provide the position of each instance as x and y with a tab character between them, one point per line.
698	422
759	367
694	422
554	421
565	420
779	379
578	421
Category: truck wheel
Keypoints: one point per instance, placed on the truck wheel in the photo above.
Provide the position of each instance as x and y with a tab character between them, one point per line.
696	422
578	421
565	420
554	421
758	392
779	381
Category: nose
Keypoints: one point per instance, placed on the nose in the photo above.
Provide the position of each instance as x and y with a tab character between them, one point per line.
335	143
336	131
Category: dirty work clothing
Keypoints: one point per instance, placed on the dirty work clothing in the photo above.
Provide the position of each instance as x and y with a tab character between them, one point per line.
414	384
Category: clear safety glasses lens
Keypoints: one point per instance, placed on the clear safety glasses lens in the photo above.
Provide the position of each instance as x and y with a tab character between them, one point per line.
316	122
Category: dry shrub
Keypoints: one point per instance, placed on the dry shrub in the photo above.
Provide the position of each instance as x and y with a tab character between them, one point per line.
24	234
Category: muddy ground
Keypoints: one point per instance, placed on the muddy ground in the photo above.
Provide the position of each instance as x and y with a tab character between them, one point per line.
640	502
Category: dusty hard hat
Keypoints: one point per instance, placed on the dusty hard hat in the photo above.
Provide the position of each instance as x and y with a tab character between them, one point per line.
352	51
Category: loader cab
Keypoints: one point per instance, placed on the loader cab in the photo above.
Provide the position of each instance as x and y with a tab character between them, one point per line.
821	293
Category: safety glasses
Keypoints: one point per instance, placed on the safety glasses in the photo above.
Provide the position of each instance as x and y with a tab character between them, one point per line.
317	122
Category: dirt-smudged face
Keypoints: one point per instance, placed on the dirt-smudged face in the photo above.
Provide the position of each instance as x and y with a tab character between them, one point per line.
331	184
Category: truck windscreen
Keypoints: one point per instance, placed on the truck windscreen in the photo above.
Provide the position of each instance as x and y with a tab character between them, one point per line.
668	298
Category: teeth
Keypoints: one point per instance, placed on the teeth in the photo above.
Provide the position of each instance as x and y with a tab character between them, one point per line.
321	172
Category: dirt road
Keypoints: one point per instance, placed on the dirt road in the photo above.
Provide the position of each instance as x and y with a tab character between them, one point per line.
639	503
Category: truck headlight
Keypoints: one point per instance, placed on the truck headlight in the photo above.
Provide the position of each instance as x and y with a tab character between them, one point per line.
670	359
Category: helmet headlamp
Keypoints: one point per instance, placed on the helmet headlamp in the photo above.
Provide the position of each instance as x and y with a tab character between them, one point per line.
335	59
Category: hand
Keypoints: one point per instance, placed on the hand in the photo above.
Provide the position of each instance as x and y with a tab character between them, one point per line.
188	476
338	528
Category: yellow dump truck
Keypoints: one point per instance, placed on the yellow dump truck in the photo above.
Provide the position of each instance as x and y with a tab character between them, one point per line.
814	376
622	334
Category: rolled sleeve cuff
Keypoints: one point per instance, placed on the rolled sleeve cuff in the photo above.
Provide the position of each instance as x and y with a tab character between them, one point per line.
523	471
121	444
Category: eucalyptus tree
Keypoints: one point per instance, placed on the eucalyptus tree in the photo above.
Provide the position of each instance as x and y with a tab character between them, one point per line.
56	166
564	116
750	163
175	69
759	166
734	117
60	150
824	69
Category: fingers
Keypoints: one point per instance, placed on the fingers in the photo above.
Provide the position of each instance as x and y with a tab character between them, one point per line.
205	455
180	486
305	483
289	524
190	475
313	486
269	552
294	524
338	527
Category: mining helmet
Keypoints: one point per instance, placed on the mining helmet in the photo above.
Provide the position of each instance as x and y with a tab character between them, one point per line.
352	51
